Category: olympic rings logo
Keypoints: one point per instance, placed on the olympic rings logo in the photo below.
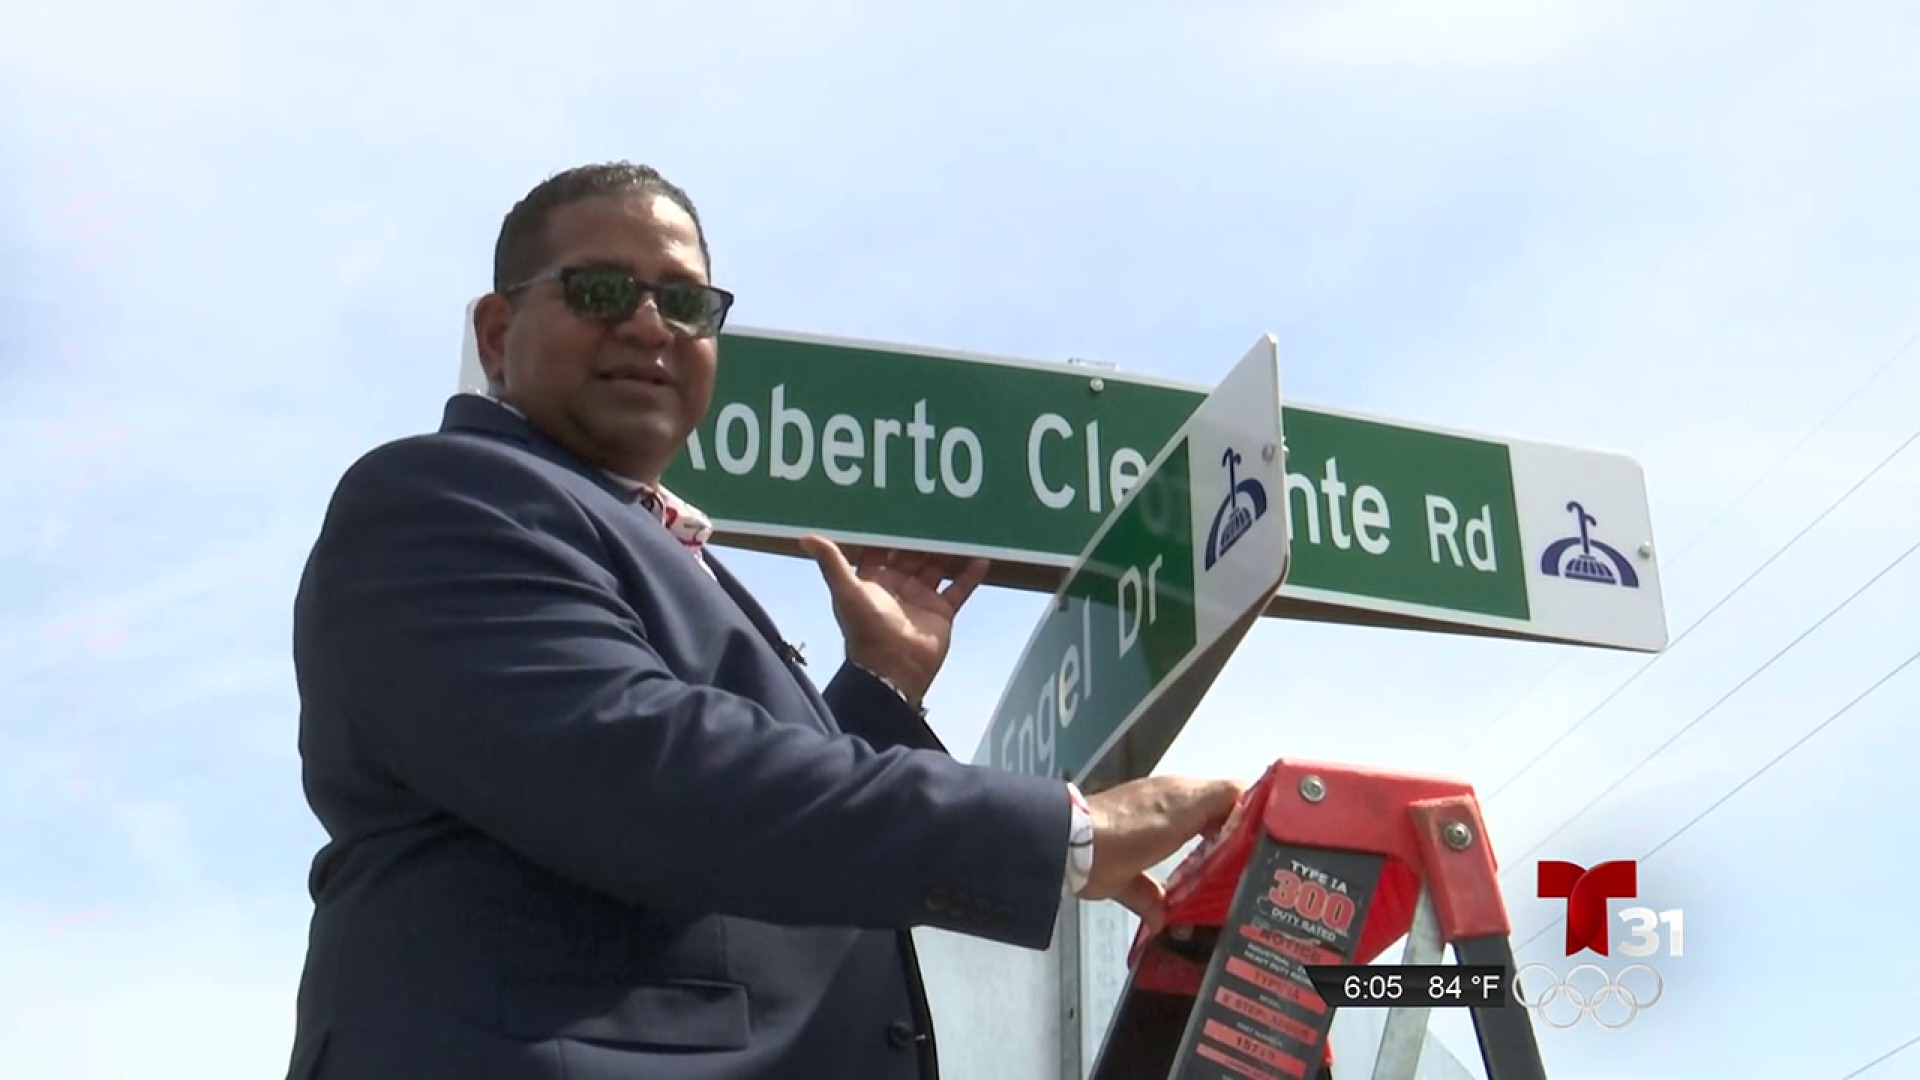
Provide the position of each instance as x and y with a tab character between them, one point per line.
1563	1003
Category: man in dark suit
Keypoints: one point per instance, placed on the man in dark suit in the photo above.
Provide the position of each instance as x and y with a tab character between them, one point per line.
587	819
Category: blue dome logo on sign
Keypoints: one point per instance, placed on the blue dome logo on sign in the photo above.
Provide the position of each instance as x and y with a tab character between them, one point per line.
1595	560
1246	501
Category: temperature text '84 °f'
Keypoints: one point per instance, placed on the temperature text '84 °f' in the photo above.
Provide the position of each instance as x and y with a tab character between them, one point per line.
1385	986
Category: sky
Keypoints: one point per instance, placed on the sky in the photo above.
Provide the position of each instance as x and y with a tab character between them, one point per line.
242	239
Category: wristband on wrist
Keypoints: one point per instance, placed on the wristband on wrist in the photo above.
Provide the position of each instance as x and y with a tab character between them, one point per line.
1079	843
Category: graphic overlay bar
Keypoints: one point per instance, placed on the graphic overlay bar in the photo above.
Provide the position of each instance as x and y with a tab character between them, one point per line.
1422	986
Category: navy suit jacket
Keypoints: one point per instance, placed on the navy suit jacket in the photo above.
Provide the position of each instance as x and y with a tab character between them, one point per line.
587	821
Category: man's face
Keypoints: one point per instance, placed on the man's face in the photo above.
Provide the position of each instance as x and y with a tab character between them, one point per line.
622	396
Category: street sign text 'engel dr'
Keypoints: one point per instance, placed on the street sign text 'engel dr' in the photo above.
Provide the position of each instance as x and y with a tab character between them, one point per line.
1393	524
1156	602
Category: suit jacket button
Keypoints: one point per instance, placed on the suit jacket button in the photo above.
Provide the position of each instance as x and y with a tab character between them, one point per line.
937	900
900	1033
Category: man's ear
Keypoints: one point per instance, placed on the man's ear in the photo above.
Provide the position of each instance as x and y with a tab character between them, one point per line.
492	315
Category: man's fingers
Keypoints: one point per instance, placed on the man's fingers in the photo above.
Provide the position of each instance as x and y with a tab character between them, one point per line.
833	562
960	577
967	580
1144	897
1235	793
1219	803
933	573
915	574
872	560
916	590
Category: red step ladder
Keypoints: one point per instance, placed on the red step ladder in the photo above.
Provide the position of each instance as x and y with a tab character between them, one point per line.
1273	924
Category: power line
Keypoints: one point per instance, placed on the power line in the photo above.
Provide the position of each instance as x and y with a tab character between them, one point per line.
1794	450
1757	773
1724	698
1797	744
1722	602
1883	1058
1668	563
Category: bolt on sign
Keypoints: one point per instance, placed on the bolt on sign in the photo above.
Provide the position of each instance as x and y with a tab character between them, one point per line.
1021	462
1166	588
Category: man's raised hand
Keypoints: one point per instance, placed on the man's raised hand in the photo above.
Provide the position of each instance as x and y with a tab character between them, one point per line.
896	608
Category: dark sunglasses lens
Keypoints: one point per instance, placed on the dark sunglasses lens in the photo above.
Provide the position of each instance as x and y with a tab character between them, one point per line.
603	295
693	306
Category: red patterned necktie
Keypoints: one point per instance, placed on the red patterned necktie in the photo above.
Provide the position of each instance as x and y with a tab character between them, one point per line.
682	520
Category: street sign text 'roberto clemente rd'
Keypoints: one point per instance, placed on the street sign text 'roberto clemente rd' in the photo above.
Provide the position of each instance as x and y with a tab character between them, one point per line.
1393	524
1162	594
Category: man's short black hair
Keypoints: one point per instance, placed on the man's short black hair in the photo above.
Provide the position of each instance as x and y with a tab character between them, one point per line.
521	250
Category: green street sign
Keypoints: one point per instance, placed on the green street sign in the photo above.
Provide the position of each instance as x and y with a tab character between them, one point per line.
1021	462
1164	590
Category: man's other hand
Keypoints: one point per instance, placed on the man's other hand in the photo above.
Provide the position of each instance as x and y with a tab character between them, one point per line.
896	609
1138	824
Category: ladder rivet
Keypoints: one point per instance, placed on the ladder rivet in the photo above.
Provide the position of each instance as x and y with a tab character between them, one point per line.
1312	790
1457	835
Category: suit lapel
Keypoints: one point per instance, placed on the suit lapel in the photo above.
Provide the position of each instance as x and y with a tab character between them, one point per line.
474	412
763	622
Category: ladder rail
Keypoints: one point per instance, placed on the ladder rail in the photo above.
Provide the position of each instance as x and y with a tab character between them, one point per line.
1507	1044
1406	1029
1317	872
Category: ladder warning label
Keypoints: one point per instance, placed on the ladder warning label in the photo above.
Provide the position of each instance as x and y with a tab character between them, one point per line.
1257	1014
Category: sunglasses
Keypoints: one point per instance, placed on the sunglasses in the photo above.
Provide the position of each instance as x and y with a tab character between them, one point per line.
609	295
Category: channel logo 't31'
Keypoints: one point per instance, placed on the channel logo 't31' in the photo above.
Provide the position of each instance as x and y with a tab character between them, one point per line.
1587	891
